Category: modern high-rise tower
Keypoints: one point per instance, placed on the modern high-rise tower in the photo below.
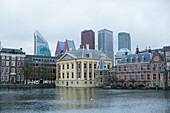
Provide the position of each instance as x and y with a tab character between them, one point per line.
124	40
41	46
105	43
87	37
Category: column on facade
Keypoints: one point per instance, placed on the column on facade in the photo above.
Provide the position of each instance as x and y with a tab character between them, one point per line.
87	74
82	70
75	70
92	74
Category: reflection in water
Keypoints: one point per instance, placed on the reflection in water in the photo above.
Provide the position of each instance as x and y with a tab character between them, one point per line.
76	100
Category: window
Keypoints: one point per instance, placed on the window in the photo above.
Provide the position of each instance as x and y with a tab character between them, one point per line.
72	75
130	68
130	76
18	70
77	82
72	66
18	77
18	58
67	66
141	67
168	65
3	57
156	58
89	65
169	76
84	65
90	75
124	68
67	75
2	69
119	77
85	75
154	76
125	77
108	66
12	70
58	66
7	57
7	63
13	63
136	77
101	73
141	77
137	59
148	67
3	63
59	76
2	77
159	76
85	82
18	63
79	65
63	75
136	67
79	75
148	77
153	67
143	58
12	58
159	66
94	66
100	79
7	77
7	70
71	82
90	82
63	66
119	68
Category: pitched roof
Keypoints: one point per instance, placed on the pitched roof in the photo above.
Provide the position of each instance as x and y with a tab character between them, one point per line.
84	53
102	64
163	70
62	44
71	44
12	51
136	58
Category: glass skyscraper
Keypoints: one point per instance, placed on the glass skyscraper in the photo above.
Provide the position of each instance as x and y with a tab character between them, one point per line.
105	42
124	40
41	46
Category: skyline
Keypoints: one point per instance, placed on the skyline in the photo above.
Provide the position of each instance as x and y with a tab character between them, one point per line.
60	20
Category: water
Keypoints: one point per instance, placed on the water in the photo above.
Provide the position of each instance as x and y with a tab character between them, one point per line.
83	100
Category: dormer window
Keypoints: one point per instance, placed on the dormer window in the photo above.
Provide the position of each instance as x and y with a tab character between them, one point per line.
126	60
143	58
131	59
137	59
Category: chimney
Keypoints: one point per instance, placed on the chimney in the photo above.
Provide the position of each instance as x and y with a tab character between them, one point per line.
100	49
126	53
70	48
97	48
87	46
21	49
137	50
149	50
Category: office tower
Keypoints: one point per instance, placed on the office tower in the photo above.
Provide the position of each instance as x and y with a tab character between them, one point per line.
41	46
124	40
105	43
63	47
87	37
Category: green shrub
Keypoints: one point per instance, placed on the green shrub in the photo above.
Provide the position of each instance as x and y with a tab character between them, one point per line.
119	86
131	85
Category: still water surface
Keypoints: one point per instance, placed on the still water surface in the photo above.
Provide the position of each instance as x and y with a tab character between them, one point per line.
83	100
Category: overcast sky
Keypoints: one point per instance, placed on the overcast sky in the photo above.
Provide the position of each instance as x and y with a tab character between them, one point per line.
147	21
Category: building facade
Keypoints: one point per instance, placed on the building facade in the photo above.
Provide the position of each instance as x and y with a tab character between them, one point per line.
41	46
11	66
124	40
167	63
63	47
101	73
76	68
87	37
134	69
105	43
41	69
